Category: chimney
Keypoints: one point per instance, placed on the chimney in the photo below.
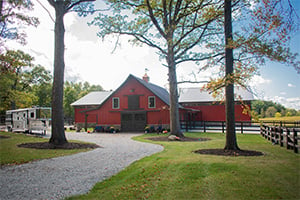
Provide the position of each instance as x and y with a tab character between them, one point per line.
146	78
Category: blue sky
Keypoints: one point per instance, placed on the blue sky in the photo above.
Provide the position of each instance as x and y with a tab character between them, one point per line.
88	58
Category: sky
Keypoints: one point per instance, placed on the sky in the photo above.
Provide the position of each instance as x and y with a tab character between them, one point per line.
88	58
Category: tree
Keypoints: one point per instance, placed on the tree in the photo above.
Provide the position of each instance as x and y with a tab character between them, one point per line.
264	37
12	14
277	114
61	8
41	81
231	143
13	84
178	29
270	112
73	92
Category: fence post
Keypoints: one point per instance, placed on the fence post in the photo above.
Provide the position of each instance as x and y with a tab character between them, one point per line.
281	136
295	142
204	128
287	138
262	130
222	127
241	127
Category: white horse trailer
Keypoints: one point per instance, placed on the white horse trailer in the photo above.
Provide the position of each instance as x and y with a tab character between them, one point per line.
31	120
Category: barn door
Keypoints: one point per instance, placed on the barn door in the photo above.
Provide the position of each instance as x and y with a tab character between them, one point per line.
133	121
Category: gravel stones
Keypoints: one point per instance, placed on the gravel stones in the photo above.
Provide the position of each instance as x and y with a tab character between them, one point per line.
60	177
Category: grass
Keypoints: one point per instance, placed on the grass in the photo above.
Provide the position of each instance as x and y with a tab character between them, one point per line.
289	119
178	173
11	154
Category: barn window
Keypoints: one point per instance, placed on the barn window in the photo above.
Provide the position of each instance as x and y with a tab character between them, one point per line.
151	102
116	103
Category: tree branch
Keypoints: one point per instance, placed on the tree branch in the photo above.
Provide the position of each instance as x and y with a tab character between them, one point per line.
153	19
77	3
194	82
47	10
199	59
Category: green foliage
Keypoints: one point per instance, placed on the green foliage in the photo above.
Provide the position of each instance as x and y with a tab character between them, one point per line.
13	80
11	154
73	92
23	84
178	173
270	112
187	26
277	114
261	108
13	15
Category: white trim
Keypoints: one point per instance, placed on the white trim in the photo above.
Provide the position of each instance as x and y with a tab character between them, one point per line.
149	97
113	103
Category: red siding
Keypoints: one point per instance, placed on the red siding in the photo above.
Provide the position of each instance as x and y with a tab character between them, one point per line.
109	116
106	115
217	112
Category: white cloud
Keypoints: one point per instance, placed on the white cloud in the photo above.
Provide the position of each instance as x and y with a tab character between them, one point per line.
258	80
291	85
293	102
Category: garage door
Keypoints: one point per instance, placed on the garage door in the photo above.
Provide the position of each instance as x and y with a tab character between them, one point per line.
133	121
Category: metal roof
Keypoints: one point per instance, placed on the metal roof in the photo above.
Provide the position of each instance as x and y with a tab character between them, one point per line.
93	98
197	95
160	92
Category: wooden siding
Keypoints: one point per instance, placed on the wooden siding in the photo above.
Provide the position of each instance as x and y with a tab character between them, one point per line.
107	115
211	112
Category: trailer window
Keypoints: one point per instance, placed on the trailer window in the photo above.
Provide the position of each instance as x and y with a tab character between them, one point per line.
32	115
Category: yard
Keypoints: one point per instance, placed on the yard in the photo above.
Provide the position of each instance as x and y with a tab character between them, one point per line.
10	154
178	173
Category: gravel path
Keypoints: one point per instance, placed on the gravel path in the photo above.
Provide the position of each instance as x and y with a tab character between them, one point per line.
57	178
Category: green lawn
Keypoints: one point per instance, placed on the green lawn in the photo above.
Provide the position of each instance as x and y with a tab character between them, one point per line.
11	154
289	119
178	173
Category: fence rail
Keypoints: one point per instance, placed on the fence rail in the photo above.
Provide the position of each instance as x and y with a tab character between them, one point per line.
219	126
282	136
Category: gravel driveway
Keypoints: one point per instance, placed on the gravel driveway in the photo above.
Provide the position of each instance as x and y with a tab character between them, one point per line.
60	177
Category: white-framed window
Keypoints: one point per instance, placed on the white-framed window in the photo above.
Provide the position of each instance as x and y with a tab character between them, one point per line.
151	102
116	103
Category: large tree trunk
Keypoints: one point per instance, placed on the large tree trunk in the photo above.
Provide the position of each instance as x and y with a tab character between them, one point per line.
58	133
174	106
231	143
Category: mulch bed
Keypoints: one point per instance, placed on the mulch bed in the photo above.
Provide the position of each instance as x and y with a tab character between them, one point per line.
4	137
222	152
219	152
69	145
185	139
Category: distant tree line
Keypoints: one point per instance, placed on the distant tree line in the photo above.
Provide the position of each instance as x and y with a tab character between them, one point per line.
24	84
270	109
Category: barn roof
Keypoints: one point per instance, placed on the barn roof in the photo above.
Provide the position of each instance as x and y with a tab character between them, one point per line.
97	98
197	95
160	92
92	98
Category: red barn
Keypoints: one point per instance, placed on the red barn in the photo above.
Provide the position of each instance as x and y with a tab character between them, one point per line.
137	103
209	109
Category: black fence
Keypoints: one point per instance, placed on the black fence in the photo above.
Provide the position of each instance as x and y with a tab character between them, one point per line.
219	126
282	136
